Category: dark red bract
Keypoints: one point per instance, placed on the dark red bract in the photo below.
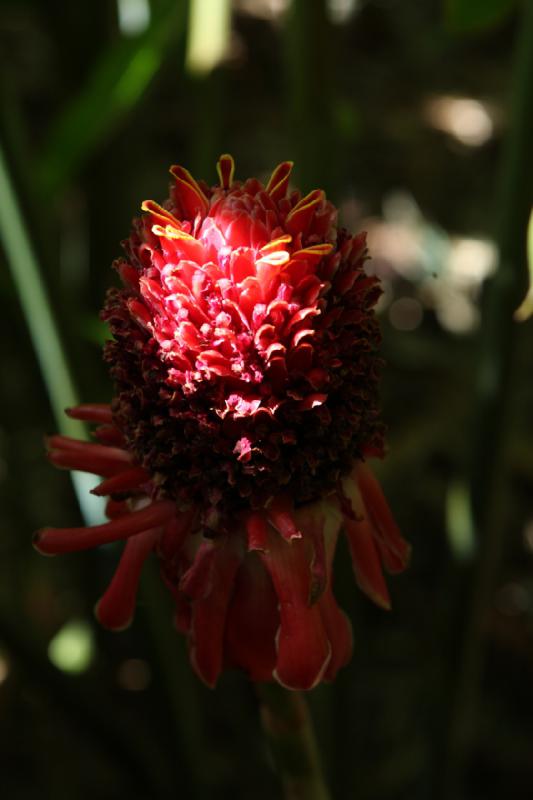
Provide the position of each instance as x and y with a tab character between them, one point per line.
244	354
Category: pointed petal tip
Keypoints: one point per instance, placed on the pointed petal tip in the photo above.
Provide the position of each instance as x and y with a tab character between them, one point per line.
208	679
381	600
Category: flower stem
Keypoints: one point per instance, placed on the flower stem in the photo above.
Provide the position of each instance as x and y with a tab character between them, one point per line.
288	727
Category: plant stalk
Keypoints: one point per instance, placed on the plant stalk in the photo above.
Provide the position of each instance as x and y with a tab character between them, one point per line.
289	730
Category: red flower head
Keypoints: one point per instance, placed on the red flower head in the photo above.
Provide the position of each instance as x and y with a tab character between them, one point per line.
244	356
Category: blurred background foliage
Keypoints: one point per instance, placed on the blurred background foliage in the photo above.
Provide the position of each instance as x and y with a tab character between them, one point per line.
415	115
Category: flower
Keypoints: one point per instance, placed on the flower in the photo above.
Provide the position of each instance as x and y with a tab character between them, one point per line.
244	355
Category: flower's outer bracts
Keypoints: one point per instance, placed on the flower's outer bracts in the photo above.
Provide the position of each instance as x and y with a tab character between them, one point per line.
244	354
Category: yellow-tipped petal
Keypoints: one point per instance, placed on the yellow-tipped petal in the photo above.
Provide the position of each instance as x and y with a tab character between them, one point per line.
226	170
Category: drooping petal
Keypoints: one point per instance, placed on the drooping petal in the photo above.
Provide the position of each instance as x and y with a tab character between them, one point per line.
116	607
252	621
366	561
98	459
50	541
126	480
303	648
208	621
395	549
91	412
339	632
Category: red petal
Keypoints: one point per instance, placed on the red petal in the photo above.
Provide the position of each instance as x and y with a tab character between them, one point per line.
116	607
99	459
188	192
299	219
109	435
252	622
208	620
339	631
279	180
396	551
91	412
123	482
116	508
314	253
256	529
50	541
303	647
192	200
322	523
160	215
281	515
174	534
366	561
226	170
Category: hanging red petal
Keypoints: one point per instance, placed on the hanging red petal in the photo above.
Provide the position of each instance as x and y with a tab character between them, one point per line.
281	516
302	644
252	621
116	607
125	481
396	550
366	561
339	632
50	541
99	459
91	412
208	619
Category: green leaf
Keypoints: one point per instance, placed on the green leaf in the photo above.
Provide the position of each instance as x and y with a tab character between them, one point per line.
470	16
114	87
44	334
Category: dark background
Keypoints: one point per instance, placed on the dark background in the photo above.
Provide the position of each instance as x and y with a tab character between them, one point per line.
410	113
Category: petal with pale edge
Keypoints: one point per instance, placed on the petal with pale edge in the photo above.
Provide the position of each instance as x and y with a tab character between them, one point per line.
302	644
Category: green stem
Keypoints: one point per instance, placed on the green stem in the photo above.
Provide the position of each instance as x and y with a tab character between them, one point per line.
488	473
288	727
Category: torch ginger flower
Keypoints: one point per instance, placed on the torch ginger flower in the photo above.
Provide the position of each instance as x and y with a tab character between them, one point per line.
244	355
